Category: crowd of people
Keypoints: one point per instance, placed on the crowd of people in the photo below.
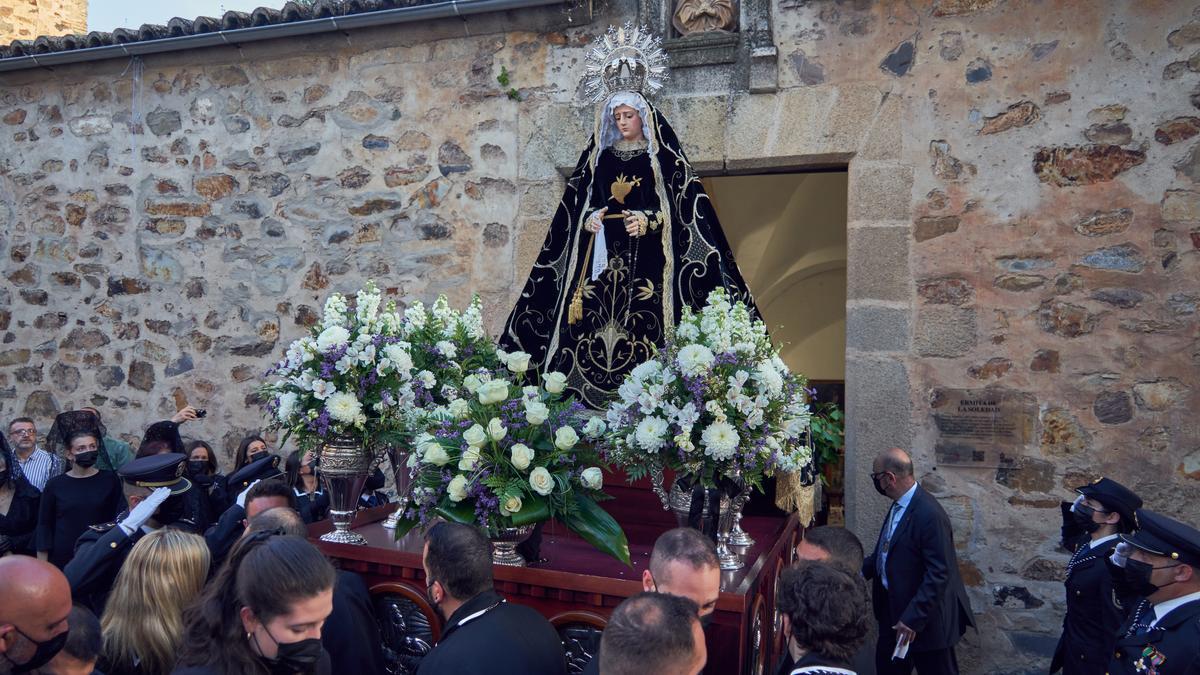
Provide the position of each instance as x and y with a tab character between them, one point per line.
158	563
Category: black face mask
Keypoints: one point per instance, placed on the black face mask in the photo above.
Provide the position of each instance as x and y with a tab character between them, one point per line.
1136	576
1082	513
706	620
294	657
877	482
86	459
197	467
437	608
45	651
170	511
257	456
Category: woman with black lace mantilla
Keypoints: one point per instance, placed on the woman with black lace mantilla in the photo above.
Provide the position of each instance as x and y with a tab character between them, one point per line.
634	240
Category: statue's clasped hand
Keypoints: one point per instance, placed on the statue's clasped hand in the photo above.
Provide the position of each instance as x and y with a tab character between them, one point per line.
636	223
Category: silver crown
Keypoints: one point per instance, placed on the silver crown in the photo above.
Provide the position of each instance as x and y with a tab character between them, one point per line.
628	58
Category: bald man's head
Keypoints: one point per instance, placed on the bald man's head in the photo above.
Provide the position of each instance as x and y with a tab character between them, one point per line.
37	602
892	472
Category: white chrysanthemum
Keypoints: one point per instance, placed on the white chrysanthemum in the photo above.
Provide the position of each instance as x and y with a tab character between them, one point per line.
287	406
695	360
400	358
768	378
427	378
334	336
651	433
720	440
344	407
459	409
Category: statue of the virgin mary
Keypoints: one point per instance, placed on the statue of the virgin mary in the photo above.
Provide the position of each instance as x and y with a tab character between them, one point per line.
634	240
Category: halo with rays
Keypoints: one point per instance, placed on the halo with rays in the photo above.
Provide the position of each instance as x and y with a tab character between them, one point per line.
628	58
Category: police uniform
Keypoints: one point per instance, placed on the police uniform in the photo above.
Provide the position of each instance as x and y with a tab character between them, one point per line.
1150	643
1094	612
223	534
101	550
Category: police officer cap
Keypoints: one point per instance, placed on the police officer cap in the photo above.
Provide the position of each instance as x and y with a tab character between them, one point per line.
259	469
1165	536
1115	497
157	471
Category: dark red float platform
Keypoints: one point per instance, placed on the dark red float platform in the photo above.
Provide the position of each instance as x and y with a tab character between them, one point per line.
578	587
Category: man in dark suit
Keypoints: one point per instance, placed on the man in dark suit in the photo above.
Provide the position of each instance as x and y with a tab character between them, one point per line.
918	596
482	633
1161	563
1104	510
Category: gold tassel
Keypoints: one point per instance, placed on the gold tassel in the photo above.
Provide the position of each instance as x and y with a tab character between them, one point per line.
575	311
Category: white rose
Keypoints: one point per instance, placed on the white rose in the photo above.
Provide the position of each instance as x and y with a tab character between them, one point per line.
522	455
554	382
536	412
496	429
459	408
435	454
469	459
541	481
518	362
511	505
334	336
594	428
457	489
494	391
472	382
565	438
592	478
475	436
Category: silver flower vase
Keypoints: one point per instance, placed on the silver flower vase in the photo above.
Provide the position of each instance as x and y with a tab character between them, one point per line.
505	541
345	467
680	503
403	475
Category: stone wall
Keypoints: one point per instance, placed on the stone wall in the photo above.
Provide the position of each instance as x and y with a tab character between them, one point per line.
27	19
1023	214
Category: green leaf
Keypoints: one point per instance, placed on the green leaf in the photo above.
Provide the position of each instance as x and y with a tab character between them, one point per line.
598	528
462	512
404	526
533	510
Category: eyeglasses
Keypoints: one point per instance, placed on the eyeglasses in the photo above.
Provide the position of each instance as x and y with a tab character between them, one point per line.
876	474
23	432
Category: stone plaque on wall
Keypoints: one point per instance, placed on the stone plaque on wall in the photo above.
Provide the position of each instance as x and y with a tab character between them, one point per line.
984	428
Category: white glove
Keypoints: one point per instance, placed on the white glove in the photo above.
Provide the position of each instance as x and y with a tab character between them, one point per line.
144	511
241	498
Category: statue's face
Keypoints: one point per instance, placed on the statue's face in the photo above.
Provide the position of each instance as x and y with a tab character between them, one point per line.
629	123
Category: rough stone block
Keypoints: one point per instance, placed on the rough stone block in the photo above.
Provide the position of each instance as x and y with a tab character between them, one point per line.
878	417
880	191
944	331
878	266
877	329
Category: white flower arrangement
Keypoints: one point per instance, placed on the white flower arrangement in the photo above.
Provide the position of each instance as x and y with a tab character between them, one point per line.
714	401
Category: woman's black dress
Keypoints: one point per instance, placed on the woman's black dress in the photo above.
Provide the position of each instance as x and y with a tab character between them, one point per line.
19	525
70	505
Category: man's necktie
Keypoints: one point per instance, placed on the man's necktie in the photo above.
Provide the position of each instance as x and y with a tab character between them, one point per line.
886	539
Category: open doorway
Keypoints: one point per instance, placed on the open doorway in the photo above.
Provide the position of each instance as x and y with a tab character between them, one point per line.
788	235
